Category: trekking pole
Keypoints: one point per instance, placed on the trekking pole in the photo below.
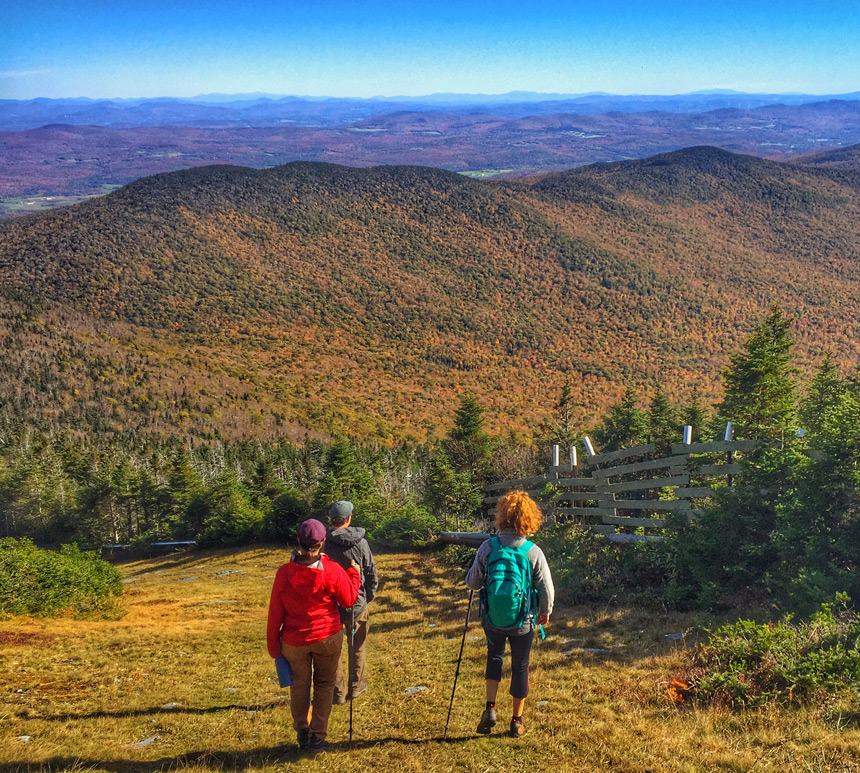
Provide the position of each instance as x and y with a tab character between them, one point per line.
459	659
349	660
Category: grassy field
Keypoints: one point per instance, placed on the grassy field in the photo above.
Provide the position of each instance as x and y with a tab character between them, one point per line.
17	204
183	681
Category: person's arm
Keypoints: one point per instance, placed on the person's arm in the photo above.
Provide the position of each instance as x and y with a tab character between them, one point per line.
343	584
542	579
371	576
277	613
477	574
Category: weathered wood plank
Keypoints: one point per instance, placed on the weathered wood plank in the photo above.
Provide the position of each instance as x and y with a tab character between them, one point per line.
576	496
639	485
513	484
667	462
577	482
595	511
715	446
624	453
676	505
718	469
601	528
694	491
624	520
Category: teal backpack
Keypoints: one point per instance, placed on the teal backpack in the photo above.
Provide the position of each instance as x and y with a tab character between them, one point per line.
507	598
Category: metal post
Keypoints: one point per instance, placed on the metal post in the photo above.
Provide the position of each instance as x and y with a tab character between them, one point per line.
459	659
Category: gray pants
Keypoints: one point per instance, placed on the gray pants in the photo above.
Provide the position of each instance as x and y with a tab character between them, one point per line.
357	653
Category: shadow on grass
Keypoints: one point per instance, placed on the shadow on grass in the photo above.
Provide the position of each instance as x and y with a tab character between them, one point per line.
161	710
217	760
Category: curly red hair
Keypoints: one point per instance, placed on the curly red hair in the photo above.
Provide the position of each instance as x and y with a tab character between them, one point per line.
518	511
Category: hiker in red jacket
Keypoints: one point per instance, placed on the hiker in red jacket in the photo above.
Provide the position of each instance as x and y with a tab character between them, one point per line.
304	625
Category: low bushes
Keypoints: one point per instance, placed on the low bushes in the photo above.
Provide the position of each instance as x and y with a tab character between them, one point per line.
750	664
44	582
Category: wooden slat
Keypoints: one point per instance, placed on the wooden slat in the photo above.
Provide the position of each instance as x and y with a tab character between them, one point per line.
513	484
694	491
715	446
624	520
667	462
595	511
639	485
601	528
576	496
576	482
676	505
718	469
624	453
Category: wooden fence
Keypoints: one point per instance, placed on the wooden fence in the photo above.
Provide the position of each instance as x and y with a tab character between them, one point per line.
631	488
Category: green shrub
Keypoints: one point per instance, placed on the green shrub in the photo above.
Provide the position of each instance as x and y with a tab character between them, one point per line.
588	567
749	664
44	582
407	526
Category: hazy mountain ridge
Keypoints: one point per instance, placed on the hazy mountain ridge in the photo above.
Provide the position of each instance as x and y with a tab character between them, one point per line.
62	160
268	109
365	299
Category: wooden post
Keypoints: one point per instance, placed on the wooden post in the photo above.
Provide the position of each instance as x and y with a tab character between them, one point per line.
730	431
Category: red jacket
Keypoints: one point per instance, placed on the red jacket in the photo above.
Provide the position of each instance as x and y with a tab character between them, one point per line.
304	602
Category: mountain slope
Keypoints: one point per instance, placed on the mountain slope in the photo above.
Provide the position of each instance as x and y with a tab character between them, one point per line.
347	300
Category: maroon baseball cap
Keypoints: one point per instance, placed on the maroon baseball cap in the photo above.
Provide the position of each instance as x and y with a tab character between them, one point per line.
311	532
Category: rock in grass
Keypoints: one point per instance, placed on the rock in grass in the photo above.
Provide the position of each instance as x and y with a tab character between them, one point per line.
24	738
673	636
541	704
146	742
417	688
170	705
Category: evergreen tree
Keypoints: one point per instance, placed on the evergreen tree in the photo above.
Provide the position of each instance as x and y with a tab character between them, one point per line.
825	393
468	446
760	396
662	422
625	426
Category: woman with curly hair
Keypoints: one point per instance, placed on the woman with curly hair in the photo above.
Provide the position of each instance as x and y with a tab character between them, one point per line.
516	593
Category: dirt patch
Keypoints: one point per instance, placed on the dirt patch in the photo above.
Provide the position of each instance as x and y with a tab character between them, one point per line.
40	640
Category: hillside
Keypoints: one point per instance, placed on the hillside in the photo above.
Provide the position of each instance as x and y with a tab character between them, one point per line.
315	296
183	681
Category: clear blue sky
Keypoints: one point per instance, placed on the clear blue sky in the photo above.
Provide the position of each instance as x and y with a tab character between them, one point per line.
131	48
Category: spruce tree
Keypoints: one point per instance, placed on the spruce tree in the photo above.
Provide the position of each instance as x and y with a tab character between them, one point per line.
625	426
760	396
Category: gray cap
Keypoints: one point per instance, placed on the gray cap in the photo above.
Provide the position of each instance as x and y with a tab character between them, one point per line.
339	512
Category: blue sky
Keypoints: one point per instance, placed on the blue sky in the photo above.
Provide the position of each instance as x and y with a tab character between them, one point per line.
60	48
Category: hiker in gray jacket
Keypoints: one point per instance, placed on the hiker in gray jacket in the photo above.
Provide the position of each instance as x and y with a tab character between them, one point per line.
344	544
503	565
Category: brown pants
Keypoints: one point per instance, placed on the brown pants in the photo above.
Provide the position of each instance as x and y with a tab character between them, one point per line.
357	653
318	663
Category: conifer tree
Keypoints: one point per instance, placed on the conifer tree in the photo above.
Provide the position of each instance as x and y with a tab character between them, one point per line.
625	426
760	396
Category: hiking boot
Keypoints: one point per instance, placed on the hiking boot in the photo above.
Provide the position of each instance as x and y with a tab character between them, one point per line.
488	720
318	744
304	738
339	698
358	689
517	727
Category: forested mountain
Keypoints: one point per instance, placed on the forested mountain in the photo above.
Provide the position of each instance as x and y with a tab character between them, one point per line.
225	300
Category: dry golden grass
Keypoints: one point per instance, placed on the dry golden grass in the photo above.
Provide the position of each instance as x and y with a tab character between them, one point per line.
197	677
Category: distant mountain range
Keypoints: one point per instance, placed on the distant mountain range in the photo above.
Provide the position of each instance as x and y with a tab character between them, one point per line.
326	299
52	165
239	110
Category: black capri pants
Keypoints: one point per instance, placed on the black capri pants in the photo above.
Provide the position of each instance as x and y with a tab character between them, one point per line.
521	647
